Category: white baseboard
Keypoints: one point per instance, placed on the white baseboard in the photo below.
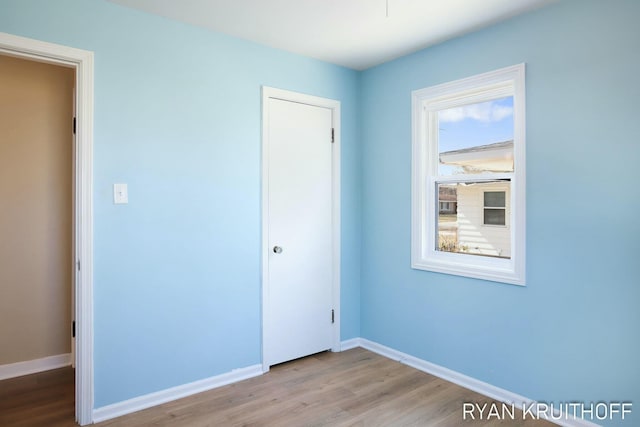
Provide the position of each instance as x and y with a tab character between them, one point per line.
19	369
349	344
465	381
174	393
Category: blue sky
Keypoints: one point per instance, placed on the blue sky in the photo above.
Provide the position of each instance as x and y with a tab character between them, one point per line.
476	124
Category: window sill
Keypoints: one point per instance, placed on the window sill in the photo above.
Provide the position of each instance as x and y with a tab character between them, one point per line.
502	270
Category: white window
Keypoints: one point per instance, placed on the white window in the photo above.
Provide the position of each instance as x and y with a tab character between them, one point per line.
469	151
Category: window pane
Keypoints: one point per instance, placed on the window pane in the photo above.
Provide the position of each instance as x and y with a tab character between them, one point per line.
476	138
463	227
494	217
494	199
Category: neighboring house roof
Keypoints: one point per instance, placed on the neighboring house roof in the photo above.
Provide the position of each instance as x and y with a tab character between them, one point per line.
447	193
496	157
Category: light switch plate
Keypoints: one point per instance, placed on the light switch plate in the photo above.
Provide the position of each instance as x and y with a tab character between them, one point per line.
120	194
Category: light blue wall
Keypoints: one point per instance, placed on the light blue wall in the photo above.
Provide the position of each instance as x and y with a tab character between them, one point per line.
177	117
573	333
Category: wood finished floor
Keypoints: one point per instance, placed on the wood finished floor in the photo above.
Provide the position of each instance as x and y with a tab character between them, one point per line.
352	388
44	399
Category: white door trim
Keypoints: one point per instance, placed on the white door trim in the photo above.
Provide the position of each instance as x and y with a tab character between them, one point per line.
82	62
334	106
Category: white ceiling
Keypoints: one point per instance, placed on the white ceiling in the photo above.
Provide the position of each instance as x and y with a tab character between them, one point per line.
357	34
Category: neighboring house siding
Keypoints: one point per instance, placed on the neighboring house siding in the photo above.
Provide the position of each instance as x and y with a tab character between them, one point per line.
473	235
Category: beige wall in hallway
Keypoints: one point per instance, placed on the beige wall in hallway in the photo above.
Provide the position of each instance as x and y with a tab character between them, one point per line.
36	152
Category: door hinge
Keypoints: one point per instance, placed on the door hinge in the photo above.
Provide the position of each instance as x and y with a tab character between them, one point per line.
333	135
78	264
74	125
73	329
333	316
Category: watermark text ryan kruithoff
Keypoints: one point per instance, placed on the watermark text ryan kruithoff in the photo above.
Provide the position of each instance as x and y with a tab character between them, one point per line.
546	411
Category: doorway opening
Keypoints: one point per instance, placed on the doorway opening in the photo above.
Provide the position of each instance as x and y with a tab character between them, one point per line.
81	269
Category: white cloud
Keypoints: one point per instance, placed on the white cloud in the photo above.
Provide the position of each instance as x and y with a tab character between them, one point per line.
486	112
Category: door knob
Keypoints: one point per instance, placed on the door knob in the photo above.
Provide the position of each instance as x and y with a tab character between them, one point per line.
277	249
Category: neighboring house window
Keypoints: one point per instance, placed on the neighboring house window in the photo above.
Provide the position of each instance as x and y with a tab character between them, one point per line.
468	176
495	208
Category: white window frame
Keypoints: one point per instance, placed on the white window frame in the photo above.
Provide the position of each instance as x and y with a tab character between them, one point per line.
509	81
